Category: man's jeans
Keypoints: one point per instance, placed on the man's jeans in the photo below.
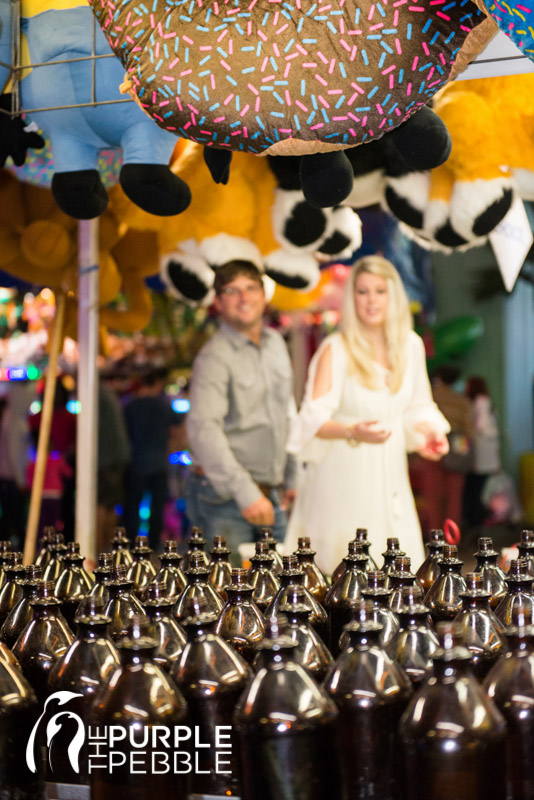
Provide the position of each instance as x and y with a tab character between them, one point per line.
219	517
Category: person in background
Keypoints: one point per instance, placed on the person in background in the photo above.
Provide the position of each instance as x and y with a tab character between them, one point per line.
57	471
442	482
367	402
113	458
14	457
241	478
152	426
486	449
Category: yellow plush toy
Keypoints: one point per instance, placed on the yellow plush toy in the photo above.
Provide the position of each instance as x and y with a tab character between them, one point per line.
251	217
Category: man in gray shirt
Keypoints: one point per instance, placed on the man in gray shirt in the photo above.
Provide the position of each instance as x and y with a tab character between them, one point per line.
241	402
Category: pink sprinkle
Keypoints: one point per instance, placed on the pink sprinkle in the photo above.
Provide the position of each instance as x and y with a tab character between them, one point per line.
252	89
353	116
286	130
353	98
219	119
206	133
343	43
154	96
228	99
264	64
357	88
299	6
185	72
408	90
301	106
236	133
443	16
353	53
524	8
262	36
212	79
340	119
288	97
152	23
205	47
398	111
231	47
416	8
268	78
389	69
167	78
257	105
192	108
280	30
364	121
251	6
244	110
379	109
398	47
442	59
335	91
323	59
371	12
216	7
157	50
391	81
128	15
223	34
164	103
355	32
276	18
376	27
315	127
321	80
352	132
323	101
465	28
310	64
156	116
332	66
187	125
170	36
324	8
341	25
226	66
384	122
137	22
396	18
415	63
249	28
301	49
188	40
276	50
425	49
400	3
193	119
160	29
245	133
288	67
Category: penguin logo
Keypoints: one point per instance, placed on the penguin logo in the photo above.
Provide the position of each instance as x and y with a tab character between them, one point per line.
53	727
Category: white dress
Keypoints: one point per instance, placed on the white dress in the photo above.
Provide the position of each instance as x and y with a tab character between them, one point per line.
341	487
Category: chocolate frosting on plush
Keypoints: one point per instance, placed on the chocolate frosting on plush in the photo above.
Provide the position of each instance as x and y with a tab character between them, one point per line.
251	74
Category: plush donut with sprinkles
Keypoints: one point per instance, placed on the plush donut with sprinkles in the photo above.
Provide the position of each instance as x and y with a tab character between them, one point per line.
291	77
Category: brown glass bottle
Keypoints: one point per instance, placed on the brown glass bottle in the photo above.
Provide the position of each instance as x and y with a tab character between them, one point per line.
351	549
120	548
389	555
220	566
7	657
195	544
362	536
141	571
371	691
286	727
314	580
198	588
510	684
493	578
73	584
310	652
261	576
55	566
377	596
19	712
519	591
400	577
122	605
21	613
482	632
443	598
266	535
11	591
429	569
292	574
102	574
415	642
43	556
241	622
5	550
526	550
170	575
43	641
84	669
208	661
452	734
169	635
146	702
344	595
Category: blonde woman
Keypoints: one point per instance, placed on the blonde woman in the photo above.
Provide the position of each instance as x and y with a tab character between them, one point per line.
367	403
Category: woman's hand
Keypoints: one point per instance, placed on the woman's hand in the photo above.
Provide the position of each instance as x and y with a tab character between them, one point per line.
368	432
435	445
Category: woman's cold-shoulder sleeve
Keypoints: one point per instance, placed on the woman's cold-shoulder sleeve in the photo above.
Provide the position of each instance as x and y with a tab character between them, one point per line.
314	412
421	407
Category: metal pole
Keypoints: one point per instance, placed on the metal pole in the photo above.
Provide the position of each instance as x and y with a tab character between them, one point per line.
87	428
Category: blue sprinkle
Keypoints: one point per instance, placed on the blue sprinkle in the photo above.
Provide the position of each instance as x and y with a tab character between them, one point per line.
168	114
166	50
409	31
149	80
266	88
380	10
435	38
401	76
331	27
393	107
422	87
277	97
281	83
186	58
260	123
364	56
325	115
425	66
258	49
239	29
273	62
289	45
237	103
340	101
381	61
342	69
427	25
364	79
372	93
203	28
206	94
265	18
195	88
386	47
309	41
248	49
311	10
255	135
386	101
363	108
204	61
450	36
303	88
277	114
222	52
231	80
214	106
314	102
311	118
388	31
208	14
374	36
297	122
321	18
345	137
226	140
357	15
184	18
220	28
247	70
179	87
286	14
301	23
235	124
331	136
276	135
139	33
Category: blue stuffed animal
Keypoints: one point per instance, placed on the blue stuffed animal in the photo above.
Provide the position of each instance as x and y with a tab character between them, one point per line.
58	96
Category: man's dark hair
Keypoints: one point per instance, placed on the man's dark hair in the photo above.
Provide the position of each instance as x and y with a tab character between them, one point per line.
447	374
227	272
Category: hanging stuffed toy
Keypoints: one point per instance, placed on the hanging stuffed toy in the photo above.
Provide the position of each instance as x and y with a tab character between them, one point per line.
293	79
53	31
458	204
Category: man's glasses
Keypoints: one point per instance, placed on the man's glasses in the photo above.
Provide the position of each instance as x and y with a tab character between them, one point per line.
234	291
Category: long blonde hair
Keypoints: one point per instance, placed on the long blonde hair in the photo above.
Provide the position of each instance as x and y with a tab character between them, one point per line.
397	326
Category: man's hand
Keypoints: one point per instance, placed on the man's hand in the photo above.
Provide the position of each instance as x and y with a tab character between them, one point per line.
261	512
